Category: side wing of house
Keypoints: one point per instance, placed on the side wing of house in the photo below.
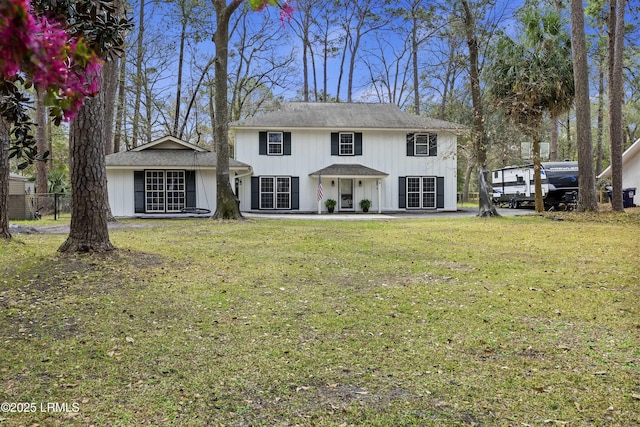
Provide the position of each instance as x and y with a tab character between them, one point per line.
631	175
394	169
139	191
630	170
165	177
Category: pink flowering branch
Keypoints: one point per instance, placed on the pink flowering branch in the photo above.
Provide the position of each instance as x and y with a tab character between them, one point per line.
44	55
286	10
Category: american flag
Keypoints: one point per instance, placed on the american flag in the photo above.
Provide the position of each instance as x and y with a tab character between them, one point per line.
320	195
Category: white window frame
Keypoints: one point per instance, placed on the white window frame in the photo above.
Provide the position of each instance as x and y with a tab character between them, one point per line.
176	190
275	148
347	148
272	190
165	190
429	141
154	191
425	193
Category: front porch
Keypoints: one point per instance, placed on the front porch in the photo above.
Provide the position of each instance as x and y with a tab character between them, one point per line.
349	183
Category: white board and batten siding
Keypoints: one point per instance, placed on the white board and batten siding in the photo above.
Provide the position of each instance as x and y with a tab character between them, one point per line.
121	194
630	170
122	190
382	150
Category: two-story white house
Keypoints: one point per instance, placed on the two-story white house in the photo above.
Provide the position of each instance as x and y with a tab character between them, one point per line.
306	153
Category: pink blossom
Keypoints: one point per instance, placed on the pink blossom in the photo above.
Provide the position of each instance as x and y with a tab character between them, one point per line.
43	52
286	13
16	26
49	54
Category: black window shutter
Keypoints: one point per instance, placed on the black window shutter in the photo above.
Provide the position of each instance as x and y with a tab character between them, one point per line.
433	144
295	192
402	191
255	192
440	192
190	181
335	144
262	139
138	191
286	143
410	145
358	141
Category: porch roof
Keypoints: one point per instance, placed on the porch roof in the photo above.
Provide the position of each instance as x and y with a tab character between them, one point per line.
340	170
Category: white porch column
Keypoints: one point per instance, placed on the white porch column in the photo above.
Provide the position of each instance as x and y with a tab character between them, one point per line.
378	184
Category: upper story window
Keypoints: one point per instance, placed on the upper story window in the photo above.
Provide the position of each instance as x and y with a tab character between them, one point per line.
346	144
422	144
274	144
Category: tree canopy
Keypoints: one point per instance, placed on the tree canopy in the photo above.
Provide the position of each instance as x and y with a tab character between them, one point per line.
533	76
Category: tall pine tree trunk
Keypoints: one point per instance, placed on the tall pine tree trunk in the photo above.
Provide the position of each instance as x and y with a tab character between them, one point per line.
176	118
89	231
4	179
537	166
587	200
486	207
616	46
139	77
600	125
553	146
110	77
227	206
414	64
120	108
42	181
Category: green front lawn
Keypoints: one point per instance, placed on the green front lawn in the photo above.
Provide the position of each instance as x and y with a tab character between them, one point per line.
418	322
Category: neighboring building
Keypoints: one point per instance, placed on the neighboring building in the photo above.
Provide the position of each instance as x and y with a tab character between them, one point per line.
630	170
397	160
20	200
166	176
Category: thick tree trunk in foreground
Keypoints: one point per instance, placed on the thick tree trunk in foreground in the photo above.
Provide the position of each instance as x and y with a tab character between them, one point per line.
4	179
587	200
227	206
89	231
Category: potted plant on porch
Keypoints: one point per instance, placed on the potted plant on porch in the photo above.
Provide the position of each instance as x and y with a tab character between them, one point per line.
365	204
330	204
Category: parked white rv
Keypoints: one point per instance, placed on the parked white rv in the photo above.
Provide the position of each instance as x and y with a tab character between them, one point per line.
515	184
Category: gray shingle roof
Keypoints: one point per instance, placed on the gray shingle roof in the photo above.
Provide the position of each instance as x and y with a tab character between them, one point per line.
345	116
169	159
342	170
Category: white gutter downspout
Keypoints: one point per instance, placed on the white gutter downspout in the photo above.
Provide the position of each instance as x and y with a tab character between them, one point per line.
243	175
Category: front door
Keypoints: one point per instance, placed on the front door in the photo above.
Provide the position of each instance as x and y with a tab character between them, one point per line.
346	194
